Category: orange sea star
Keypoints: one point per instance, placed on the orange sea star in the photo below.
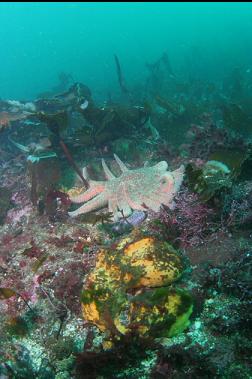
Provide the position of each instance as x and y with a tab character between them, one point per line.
138	189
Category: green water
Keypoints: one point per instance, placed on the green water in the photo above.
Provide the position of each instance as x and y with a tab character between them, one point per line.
39	40
138	266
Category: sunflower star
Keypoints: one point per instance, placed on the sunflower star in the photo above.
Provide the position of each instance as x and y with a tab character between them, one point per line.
138	189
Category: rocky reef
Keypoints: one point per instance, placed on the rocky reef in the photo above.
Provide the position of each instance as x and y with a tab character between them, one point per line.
151	278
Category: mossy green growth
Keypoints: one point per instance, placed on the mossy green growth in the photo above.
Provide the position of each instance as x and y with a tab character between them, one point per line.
20	326
64	367
161	312
207	182
129	290
17	327
181	323
152	298
105	299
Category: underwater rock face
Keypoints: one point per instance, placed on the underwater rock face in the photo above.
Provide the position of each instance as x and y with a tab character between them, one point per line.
5	203
138	189
161	312
128	290
206	181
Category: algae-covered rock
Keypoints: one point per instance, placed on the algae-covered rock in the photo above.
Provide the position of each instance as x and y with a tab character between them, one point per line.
128	290
218	173
158	261
233	159
144	262
213	177
5	203
161	312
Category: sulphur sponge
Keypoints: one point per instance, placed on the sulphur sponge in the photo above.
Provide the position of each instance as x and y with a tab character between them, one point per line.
129	289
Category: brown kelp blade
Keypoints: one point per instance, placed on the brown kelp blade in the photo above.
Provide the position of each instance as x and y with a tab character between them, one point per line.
6	293
120	76
72	162
56	122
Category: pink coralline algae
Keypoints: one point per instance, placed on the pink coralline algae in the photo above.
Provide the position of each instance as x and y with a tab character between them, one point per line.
208	138
191	221
23	208
14	216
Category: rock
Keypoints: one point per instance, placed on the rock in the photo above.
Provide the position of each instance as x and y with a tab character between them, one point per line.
5	203
129	290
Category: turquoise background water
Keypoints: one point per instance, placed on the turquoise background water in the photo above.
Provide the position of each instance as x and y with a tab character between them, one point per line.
39	40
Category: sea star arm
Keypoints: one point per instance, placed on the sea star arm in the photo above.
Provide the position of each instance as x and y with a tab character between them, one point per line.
152	203
99	201
122	166
136	205
122	202
112	205
178	176
94	190
107	171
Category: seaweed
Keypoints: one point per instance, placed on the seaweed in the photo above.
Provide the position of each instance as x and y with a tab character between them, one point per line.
234	159
120	76
207	183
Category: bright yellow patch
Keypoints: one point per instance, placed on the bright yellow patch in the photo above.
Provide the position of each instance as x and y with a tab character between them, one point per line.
133	265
